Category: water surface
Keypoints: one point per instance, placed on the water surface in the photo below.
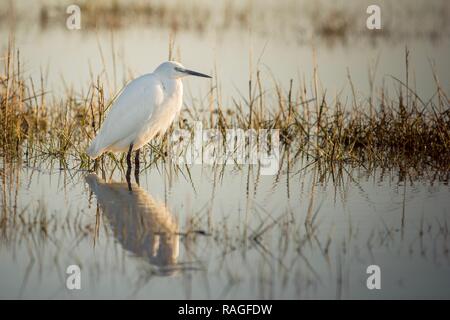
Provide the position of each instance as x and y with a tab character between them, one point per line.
236	236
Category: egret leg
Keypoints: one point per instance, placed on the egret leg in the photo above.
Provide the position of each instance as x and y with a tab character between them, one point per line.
129	181
129	156
136	166
129	166
95	165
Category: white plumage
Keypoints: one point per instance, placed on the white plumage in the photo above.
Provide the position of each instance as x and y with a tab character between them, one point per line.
147	106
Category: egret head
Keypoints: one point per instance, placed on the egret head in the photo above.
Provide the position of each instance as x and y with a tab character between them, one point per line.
175	70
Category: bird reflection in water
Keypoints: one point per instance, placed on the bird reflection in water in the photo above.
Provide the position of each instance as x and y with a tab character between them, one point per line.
143	226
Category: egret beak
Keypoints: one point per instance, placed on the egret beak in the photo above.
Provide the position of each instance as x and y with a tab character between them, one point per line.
193	73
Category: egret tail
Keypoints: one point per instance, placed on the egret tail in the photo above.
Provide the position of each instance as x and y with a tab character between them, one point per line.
94	151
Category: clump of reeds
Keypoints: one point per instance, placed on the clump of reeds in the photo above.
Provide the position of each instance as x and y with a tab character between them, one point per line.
117	14
16	119
337	23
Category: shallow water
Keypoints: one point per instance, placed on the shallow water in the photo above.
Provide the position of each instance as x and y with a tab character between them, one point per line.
211	238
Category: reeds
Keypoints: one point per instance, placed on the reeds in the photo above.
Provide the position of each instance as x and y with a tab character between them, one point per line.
380	131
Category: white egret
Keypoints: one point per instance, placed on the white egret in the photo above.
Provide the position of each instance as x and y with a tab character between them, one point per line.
146	107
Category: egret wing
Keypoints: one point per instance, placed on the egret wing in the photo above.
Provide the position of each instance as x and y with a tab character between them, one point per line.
132	109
